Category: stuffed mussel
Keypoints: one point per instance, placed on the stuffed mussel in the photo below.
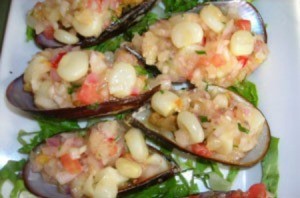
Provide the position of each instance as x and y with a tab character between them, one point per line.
72	83
84	22
108	160
215	124
221	44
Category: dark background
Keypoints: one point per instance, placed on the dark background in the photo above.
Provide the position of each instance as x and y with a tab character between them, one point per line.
4	9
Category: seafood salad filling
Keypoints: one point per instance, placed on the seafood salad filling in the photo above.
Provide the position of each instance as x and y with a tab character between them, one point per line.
215	123
69	77
68	20
106	160
209	46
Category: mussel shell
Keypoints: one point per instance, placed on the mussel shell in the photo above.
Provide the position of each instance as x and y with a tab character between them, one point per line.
24	100
36	184
139	120
128	19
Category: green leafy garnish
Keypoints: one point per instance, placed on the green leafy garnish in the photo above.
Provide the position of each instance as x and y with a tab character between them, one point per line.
247	90
173	6
200	52
29	33
232	174
121	116
175	187
162	91
203	119
142	26
142	71
270	175
11	171
110	45
243	129
48	128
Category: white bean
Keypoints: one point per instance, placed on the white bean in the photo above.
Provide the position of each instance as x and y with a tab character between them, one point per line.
137	144
158	160
73	66
186	33
164	102
106	189
213	18
121	80
242	43
128	168
88	23
221	101
189	122
65	37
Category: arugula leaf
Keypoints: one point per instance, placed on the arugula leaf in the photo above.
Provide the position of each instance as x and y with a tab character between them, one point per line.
29	33
270	175
232	174
142	26
48	128
247	90
243	129
11	171
173	6
177	186
110	45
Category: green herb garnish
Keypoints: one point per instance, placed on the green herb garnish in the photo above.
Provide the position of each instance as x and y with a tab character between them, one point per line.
29	34
246	89
162	91
200	52
243	129
203	119
270	176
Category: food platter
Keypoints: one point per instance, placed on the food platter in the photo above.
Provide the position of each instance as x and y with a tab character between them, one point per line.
276	81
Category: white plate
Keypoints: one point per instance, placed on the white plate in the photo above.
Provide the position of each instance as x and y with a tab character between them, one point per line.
277	81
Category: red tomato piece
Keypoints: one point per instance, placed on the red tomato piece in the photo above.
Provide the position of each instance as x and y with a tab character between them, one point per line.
243	60
243	24
73	166
257	191
218	60
201	149
92	91
55	61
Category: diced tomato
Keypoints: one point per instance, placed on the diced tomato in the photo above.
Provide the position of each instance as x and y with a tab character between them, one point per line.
91	92
243	24
73	166
201	149
49	32
243	60
218	60
55	61
135	92
257	191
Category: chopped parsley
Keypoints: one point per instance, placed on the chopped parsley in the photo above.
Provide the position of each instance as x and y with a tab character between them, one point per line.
201	52
243	129
203	119
162	91
29	34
